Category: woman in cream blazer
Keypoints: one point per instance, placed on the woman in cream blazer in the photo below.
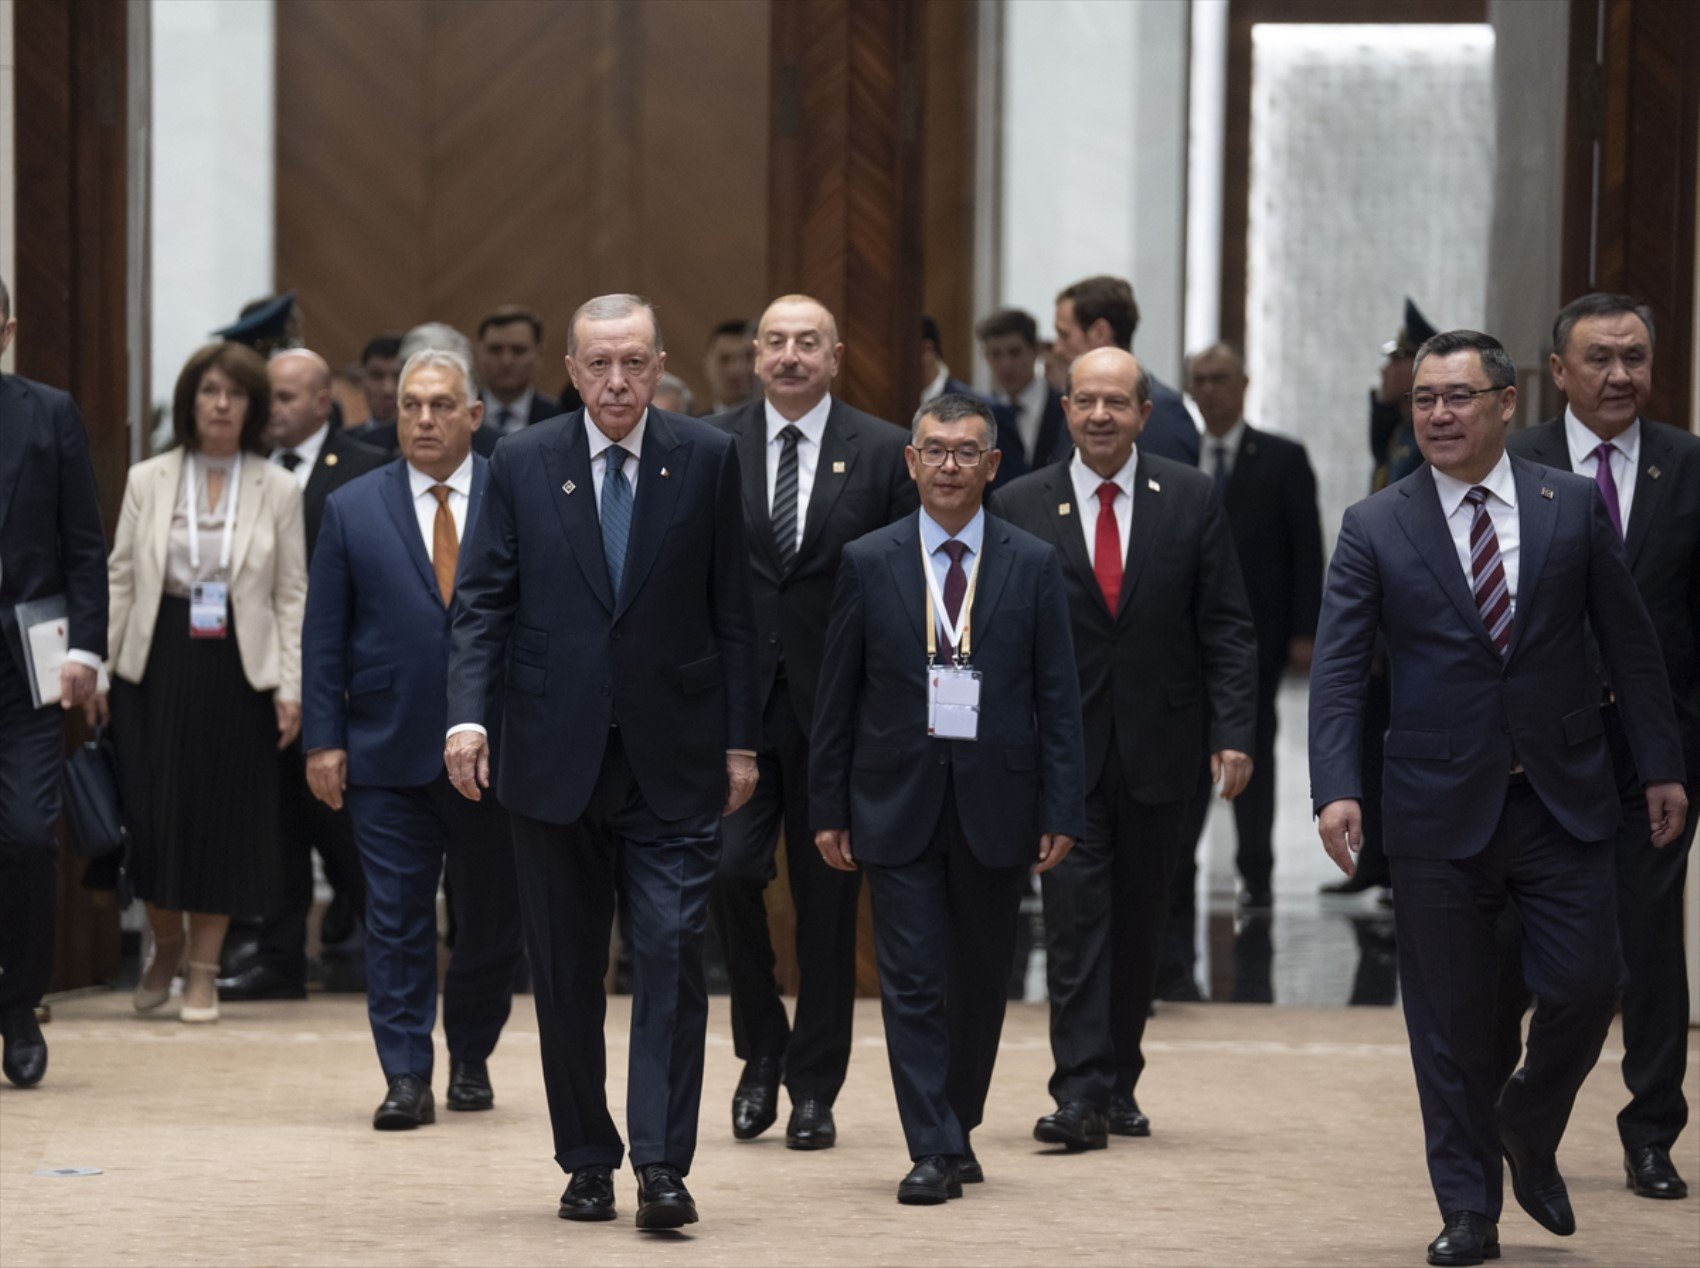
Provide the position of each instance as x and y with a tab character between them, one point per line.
208	575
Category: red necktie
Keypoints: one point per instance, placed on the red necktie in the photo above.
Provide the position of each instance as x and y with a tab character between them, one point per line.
1107	550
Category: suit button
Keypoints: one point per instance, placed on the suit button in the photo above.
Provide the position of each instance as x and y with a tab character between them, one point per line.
607	690
943	759
615	634
773	638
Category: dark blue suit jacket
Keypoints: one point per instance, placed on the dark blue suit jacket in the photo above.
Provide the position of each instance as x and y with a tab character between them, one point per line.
1013	464
873	768
375	644
538	632
1462	715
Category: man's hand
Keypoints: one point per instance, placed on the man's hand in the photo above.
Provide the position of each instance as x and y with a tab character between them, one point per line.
1299	652
466	755
1053	849
741	776
834	847
327	775
1232	769
1341	827
288	723
1667	812
76	684
96	710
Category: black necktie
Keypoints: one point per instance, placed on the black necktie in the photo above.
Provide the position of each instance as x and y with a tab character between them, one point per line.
785	498
290	459
1220	452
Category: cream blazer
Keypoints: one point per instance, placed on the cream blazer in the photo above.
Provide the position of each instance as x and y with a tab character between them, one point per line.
268	571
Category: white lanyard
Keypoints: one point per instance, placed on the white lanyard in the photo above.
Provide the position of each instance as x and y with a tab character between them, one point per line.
960	635
232	488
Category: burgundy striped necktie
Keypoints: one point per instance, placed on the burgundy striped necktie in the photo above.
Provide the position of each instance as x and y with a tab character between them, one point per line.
1487	571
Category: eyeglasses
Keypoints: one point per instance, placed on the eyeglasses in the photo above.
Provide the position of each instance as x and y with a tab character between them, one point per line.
965	455
1457	398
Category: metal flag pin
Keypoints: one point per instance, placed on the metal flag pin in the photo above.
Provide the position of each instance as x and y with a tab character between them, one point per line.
1653	473
663	473
568	487
1063	508
1153	486
838	468
1546	493
330	460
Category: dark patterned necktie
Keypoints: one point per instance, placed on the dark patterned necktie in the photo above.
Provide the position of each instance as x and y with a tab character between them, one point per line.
1487	571
955	587
785	498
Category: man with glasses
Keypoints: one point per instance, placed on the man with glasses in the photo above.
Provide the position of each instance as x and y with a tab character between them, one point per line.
1168	670
1481	572
947	764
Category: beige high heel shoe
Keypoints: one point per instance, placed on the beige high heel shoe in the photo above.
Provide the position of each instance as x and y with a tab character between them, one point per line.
192	1014
147	998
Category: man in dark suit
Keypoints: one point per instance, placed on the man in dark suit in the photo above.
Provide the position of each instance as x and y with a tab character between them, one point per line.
817	475
432	334
1101	312
939	381
374	652
51	546
1648	475
1266	484
265	955
947	763
380	372
1482	571
510	340
1009	340
1167	660
611	630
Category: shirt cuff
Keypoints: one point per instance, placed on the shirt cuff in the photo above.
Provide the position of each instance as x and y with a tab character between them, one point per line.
466	726
740	752
83	658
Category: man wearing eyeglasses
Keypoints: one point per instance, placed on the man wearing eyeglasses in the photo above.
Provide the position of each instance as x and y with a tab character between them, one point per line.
1480	571
947	765
1167	659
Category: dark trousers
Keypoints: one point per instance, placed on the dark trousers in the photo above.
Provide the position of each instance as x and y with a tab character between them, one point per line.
662	870
405	835
31	749
944	933
1105	908
816	1048
1655	992
1446	920
1378	716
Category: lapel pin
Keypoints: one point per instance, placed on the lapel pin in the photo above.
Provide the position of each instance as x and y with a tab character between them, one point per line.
568	488
663	473
1653	473
838	468
1063	508
1153	486
1546	493
330	460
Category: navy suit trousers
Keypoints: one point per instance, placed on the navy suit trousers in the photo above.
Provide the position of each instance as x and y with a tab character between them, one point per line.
29	865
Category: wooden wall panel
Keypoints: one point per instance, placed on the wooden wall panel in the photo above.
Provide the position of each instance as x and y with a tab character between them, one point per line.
948	178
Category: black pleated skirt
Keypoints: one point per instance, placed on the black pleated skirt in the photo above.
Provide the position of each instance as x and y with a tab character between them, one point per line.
198	772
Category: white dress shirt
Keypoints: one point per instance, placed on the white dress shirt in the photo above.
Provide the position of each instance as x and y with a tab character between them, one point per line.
425	502
1208	446
519	412
1086	503
1502	510
599	443
1029	407
309	452
936	387
1625	457
813	427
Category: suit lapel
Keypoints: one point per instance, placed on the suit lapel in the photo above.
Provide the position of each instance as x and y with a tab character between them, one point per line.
1067	530
1548	445
566	464
994	571
1650	486
253	498
169	483
749	436
1246	459
12	438
833	469
664	451
1420	516
398	501
1537	517
904	559
1149	507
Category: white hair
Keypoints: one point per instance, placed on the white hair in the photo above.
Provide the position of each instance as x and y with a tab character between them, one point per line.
442	359
443	337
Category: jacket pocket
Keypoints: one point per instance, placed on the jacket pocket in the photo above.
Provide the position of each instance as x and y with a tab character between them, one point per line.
1583	725
700	675
366	681
876	759
1423	746
527	678
528	639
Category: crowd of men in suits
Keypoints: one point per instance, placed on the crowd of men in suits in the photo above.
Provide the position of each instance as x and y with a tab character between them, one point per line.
614	658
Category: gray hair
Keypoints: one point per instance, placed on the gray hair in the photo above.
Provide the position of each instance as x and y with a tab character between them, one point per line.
670	382
442	337
1141	385
442	359
1598	304
612	308
1234	351
1496	362
954	407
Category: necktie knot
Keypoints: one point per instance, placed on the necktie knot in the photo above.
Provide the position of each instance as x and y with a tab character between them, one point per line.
615	456
1107	495
790	434
1477	497
441	493
290	459
955	550
1603	451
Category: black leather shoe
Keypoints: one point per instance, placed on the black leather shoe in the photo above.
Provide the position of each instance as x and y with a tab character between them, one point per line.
1076	1126
589	1195
1126	1118
968	1168
755	1105
663	1200
408	1105
1468	1238
1648	1170
469	1086
1537	1185
26	1051
931	1181
259	980
811	1126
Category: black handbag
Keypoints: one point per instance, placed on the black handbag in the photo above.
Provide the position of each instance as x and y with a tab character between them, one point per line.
92	808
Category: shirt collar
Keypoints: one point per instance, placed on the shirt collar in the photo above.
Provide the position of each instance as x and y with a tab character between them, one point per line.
460	481
1231	438
933	535
632	444
812	424
936	387
519	410
1498	482
309	449
1087	481
1031	398
1582	442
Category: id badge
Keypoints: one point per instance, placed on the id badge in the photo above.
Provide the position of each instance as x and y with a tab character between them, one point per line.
953	702
209	609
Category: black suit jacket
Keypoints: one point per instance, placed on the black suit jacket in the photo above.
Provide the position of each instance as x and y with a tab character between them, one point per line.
1271	503
1663	546
1176	667
874	770
51	541
861	483
1052	444
542	409
340	460
540	639
382	437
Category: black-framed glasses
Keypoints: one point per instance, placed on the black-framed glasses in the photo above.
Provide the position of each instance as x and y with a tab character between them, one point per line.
965	455
1455	398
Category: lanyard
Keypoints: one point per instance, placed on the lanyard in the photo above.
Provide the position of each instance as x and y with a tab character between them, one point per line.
961	636
233	486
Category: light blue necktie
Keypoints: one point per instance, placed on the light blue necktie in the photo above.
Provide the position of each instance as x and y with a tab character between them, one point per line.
616	516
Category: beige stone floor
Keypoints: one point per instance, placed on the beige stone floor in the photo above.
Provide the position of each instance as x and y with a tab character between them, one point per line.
1283	1136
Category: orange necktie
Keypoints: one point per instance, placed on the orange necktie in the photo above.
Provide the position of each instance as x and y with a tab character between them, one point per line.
445	546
